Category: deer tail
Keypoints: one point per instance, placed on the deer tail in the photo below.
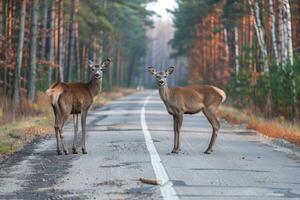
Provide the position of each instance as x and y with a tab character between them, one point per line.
53	93
222	93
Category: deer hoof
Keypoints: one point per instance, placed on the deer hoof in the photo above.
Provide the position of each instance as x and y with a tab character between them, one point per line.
74	151
176	151
66	152
59	153
208	151
84	151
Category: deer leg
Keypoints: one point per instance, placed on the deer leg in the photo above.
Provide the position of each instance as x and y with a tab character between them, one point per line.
215	125
179	124
57	140
217	128
83	126
62	137
75	122
56	128
175	121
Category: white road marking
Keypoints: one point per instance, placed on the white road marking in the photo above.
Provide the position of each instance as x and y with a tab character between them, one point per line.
167	190
125	112
118	102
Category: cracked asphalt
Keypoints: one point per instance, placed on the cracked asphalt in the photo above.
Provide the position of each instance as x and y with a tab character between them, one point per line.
241	167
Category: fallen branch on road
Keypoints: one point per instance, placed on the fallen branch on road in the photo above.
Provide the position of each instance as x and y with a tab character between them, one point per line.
150	181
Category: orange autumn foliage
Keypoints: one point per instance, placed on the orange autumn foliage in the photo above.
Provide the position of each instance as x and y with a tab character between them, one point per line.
275	130
209	56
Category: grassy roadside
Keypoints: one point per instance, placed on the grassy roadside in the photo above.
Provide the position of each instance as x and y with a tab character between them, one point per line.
13	136
275	128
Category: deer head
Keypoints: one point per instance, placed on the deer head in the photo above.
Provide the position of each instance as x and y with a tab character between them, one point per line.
98	68
161	76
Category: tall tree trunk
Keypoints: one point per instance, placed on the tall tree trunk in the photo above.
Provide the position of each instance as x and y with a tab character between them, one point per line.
71	43
280	34
260	34
110	54
2	19
289	51
10	28
2	22
51	45
61	42
236	50
273	30
84	62
101	46
56	41
33	38
284	36
5	28
289	31
118	71
122	68
225	35
17	72
251	39
78	64
44	29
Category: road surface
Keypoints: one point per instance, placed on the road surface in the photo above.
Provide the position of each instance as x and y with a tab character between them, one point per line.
131	138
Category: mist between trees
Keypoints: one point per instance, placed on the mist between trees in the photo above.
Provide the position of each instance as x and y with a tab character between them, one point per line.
248	47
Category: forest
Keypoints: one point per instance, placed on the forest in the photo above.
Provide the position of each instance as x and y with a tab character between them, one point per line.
150	99
48	41
250	48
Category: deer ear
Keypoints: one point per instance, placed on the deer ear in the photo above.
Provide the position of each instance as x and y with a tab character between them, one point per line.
106	63
169	71
91	63
152	70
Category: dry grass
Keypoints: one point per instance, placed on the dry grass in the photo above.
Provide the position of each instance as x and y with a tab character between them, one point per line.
10	113
14	135
233	116
31	121
275	128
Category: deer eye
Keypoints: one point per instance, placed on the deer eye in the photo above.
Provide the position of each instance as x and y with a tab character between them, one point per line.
93	69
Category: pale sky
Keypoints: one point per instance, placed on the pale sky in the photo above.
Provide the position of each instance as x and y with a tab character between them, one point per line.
160	8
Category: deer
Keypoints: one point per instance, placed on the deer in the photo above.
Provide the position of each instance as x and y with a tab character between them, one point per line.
73	99
189	100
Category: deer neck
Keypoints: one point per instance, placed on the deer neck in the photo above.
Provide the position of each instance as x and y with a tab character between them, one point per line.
164	93
95	86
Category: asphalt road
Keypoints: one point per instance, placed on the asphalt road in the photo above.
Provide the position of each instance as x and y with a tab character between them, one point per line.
132	138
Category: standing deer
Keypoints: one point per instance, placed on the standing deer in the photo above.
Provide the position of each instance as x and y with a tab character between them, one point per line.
189	100
75	99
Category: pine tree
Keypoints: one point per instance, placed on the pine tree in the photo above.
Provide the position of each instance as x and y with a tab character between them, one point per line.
17	71
33	47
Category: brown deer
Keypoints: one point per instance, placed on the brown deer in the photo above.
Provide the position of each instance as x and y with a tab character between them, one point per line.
189	100
75	99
